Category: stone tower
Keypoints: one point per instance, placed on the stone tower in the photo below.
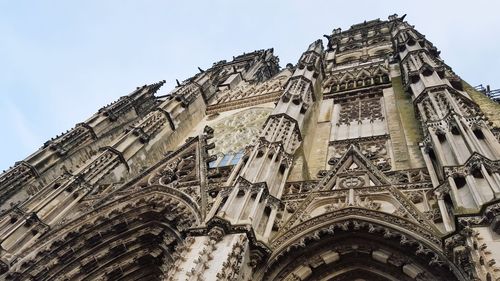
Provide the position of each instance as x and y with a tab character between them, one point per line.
369	159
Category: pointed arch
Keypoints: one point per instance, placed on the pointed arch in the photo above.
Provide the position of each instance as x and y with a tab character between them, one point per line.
352	155
133	235
363	73
380	70
346	77
341	241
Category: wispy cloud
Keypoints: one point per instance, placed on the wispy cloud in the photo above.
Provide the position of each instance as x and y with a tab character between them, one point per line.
58	67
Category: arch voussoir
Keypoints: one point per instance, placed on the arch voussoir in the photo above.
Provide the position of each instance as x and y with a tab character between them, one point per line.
125	231
420	251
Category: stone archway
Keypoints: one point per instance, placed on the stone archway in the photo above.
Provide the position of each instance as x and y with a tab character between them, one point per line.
129	238
338	246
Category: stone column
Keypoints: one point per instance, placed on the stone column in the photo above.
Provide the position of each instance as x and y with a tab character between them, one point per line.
456	151
491	181
253	212
430	167
492	141
444	212
233	175
474	190
468	141
454	192
290	116
270	223
230	200
438	149
243	206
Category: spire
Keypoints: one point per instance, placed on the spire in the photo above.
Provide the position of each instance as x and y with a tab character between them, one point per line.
316	46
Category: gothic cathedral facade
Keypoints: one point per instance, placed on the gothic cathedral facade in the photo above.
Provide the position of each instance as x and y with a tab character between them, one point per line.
369	159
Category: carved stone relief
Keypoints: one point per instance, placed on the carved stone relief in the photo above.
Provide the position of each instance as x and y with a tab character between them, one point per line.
235	132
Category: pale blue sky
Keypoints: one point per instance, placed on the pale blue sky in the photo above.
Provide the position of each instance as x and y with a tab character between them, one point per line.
62	60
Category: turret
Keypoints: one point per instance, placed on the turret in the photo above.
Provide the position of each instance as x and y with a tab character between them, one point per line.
258	183
458	140
30	173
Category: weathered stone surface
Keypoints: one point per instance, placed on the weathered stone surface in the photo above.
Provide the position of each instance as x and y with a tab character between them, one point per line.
367	160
